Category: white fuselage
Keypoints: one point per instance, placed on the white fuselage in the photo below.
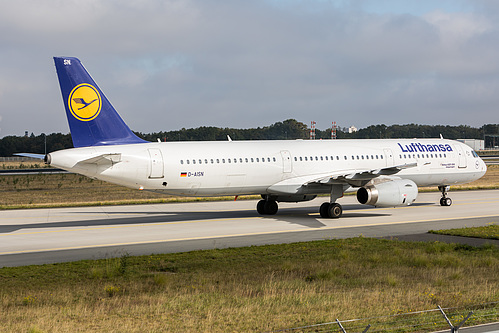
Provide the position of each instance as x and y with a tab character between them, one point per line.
255	167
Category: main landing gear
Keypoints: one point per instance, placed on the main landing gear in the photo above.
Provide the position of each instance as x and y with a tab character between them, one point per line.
332	209
444	200
267	207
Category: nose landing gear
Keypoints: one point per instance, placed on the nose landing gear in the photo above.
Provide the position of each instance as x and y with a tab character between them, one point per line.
444	200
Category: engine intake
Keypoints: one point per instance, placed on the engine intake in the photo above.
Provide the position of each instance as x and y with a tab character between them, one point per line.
392	193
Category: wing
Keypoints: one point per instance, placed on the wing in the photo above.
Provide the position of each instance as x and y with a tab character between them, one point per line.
79	100
353	177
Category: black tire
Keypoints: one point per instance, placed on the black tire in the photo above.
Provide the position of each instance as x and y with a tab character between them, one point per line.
324	210
260	207
442	201
270	207
335	210
448	201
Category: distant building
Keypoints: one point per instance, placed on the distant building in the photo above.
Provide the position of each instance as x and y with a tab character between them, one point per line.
352	129
26	133
473	143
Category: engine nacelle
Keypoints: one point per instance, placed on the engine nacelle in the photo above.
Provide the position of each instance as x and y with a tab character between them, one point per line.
392	193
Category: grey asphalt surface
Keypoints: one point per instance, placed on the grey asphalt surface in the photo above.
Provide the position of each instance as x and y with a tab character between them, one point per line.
44	236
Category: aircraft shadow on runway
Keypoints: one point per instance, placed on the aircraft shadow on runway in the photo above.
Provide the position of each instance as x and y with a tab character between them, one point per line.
300	216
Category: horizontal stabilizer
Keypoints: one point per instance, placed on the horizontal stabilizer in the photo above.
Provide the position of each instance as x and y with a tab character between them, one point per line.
103	159
30	155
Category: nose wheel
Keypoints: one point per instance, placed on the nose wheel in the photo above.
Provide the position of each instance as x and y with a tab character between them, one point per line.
444	200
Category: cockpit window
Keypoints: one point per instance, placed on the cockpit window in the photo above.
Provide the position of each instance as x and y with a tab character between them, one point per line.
474	154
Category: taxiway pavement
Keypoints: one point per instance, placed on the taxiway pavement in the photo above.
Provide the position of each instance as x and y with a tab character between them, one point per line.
40	236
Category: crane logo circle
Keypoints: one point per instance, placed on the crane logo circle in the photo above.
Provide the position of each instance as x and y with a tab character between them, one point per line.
84	102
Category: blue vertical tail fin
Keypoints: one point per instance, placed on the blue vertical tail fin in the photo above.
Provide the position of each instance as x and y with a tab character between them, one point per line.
92	119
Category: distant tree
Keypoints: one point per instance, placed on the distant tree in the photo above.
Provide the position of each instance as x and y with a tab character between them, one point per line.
289	129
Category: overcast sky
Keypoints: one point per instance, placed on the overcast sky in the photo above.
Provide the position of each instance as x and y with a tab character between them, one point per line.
165	65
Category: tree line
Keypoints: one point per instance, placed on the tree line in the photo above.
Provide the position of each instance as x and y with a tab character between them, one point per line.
290	129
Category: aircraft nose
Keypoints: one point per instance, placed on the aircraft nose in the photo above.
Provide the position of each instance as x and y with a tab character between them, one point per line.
483	167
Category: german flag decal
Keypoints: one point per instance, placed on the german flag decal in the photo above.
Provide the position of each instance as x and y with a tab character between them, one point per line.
183	174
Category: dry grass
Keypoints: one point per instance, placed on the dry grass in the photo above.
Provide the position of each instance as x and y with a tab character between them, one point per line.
30	164
490	179
32	191
249	289
63	188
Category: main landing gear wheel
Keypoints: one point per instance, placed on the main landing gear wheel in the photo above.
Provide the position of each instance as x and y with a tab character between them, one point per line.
267	207
444	200
324	210
331	210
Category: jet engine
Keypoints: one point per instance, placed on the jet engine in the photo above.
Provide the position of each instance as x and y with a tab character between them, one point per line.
392	193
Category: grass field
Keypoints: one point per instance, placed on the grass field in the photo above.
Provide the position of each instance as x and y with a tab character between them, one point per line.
487	232
30	191
10	165
254	289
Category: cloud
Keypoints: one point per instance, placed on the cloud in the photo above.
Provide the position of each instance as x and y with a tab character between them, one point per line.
171	64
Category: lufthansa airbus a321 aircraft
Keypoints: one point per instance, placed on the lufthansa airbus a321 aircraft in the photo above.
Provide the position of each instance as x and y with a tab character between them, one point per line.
383	172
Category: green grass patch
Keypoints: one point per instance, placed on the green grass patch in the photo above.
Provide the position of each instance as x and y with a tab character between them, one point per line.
487	232
253	288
